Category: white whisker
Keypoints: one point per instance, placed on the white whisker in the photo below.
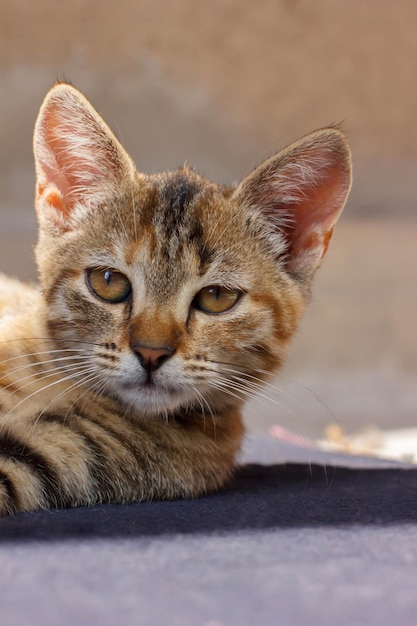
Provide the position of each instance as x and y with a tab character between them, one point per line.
83	357
82	383
203	401
73	367
42	390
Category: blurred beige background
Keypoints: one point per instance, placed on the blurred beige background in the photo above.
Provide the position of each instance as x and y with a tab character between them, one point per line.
222	85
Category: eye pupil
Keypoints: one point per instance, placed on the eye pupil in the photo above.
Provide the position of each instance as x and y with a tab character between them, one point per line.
107	277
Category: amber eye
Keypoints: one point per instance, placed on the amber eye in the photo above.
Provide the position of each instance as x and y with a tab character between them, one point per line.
109	285
216	299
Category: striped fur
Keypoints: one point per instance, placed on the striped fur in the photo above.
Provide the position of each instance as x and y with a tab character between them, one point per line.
141	398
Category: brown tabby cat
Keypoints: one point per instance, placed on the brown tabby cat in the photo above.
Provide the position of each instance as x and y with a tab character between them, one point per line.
165	300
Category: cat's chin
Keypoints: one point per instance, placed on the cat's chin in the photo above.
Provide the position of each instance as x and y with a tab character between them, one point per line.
152	400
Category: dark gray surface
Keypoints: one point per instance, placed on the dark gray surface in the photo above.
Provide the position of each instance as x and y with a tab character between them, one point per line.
299	543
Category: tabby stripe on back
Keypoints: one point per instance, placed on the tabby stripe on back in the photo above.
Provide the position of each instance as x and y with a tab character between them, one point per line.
12	495
97	461
13	448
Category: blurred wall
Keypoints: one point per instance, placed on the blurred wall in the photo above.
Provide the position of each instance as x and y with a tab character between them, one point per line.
221	83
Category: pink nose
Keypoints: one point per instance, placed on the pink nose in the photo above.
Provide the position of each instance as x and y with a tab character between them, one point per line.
151	358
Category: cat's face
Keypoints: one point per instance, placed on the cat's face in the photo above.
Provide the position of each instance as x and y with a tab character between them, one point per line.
170	290
174	295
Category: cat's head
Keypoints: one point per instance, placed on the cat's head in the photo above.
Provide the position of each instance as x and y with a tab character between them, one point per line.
172	290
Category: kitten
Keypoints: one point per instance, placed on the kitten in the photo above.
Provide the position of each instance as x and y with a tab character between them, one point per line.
165	300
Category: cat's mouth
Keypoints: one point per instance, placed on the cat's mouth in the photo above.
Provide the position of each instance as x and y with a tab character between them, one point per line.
148	385
152	397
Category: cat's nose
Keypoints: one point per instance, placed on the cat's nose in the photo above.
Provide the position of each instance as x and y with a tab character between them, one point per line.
151	358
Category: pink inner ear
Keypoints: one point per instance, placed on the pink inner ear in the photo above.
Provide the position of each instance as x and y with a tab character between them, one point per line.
55	183
59	171
316	214
302	196
77	156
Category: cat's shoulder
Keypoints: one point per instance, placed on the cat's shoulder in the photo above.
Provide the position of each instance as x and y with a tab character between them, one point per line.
16	296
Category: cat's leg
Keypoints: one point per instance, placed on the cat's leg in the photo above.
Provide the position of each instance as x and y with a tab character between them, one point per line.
62	459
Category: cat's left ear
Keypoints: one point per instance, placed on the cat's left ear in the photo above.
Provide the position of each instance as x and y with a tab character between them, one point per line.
299	194
78	159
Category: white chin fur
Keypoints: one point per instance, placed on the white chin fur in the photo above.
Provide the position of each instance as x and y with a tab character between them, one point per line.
153	400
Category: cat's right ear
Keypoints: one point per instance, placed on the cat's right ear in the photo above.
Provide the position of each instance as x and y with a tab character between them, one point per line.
300	194
78	159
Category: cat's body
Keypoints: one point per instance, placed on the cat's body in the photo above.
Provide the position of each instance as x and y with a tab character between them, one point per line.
165	300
